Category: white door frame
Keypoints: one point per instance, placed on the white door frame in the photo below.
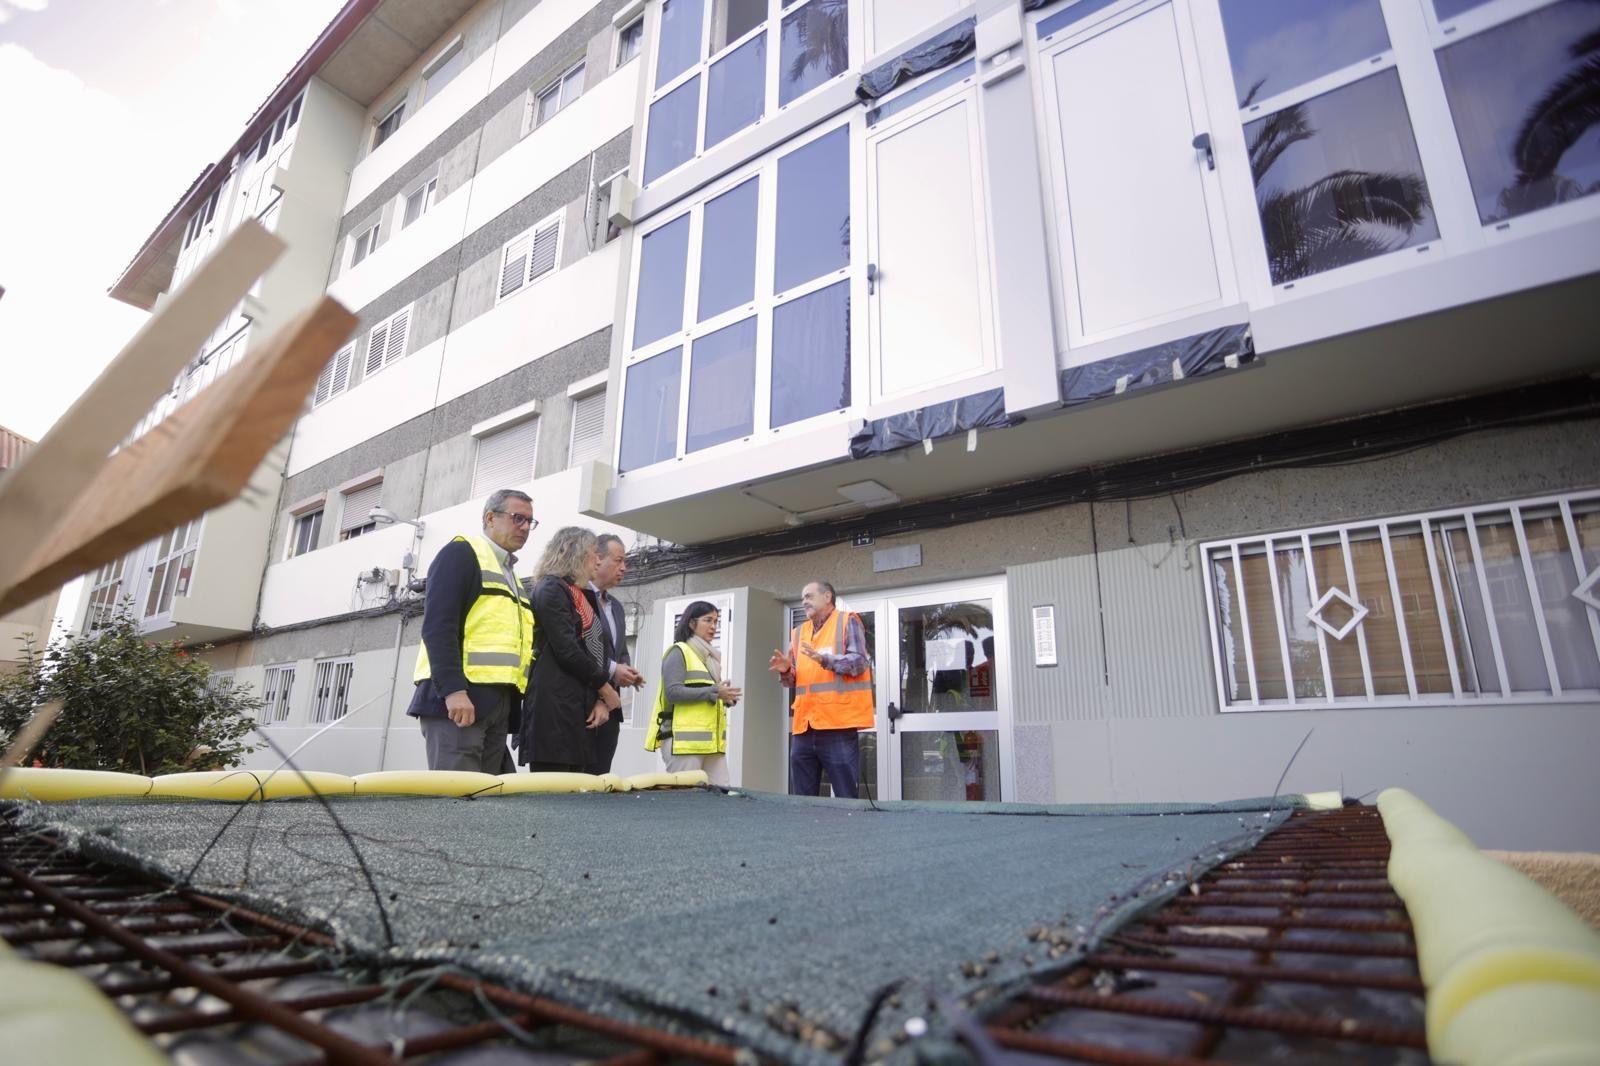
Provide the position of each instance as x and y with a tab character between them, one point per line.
884	603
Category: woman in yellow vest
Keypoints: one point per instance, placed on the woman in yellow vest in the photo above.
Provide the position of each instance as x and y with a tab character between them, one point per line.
690	722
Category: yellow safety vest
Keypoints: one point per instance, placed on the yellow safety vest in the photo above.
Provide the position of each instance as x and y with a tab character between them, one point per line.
497	641
697	728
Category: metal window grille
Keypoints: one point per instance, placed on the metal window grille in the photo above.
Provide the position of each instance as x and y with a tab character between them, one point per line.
330	690
588	427
1493	603
276	689
505	458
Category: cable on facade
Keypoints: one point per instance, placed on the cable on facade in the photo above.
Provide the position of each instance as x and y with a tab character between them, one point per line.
1346	443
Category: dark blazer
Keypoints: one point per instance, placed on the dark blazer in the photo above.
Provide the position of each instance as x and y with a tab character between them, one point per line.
454	582
565	684
616	651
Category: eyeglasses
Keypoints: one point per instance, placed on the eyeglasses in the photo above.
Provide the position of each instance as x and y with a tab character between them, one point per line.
519	519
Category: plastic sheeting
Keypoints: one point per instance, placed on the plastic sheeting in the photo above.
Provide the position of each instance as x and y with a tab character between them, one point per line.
939	51
769	921
1196	356
983	410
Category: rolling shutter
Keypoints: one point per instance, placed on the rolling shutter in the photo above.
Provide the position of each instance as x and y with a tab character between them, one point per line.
588	427
357	504
505	458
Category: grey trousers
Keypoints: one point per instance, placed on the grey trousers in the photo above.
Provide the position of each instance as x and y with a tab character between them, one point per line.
480	746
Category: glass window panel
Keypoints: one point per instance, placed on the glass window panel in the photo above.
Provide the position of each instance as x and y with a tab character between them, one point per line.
1513	606
549	103
1565	618
737	91
1256	594
650	411
1344	656
628	42
815	48
1586	517
950	766
722	386
947	657
813	210
678	38
1338	179
1381	626
1475	652
1448	9
1305	655
732	19
728	252
663	258
1523	96
811	355
673	120
1230	629
1424	634
445	72
1277	44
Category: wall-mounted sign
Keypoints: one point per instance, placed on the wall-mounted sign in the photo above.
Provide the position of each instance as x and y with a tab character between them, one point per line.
862	540
1044	635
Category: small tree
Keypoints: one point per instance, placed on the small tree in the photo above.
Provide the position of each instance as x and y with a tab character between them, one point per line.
128	704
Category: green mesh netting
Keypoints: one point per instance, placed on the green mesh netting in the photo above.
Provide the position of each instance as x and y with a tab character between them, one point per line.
765	920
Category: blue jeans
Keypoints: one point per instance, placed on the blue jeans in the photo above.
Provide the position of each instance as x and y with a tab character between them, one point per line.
816	750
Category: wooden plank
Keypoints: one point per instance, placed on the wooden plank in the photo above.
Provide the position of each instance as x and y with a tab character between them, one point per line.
54	473
201	456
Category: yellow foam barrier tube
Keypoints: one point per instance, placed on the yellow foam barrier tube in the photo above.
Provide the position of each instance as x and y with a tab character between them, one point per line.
49	1014
427	783
239	785
55	785
1324	801
669	779
1499	1027
1482	929
547	782
615	783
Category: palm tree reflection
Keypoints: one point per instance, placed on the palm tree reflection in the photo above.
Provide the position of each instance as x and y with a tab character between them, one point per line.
1553	125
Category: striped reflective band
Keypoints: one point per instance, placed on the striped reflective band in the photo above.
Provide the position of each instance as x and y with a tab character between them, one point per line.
699	677
833	686
496	577
493	658
680	737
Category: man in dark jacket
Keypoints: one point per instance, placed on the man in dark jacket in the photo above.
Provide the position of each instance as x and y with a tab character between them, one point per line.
613	565
477	640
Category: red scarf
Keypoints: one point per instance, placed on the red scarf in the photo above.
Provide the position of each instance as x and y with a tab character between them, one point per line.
581	602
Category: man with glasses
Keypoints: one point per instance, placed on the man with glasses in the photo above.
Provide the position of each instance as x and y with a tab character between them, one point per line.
477	642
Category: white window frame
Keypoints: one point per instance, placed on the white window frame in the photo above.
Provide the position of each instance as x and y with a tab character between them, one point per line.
106	591
1230	552
313	515
558	85
618	60
443	56
773	27
600	225
512	250
398	109
165	569
428	189
578	393
335	376
277	690
392	335
330	689
364	243
764	304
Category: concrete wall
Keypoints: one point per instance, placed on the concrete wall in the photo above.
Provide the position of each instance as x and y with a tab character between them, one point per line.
32	621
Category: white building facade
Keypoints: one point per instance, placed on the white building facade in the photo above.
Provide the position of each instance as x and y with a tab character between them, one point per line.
1164	381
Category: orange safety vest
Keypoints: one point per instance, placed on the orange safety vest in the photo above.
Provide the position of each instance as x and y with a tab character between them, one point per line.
822	698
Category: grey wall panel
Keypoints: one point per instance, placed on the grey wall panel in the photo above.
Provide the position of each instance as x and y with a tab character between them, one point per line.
1157	657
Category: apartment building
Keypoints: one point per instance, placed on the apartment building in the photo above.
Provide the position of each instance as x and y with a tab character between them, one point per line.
30	623
1178	388
1168	383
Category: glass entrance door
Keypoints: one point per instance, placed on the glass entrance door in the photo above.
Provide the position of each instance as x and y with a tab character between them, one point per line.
942	727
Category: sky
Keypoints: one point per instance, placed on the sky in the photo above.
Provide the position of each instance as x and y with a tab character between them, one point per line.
111	108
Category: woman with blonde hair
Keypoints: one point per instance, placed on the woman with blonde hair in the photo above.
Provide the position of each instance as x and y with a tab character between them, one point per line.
570	692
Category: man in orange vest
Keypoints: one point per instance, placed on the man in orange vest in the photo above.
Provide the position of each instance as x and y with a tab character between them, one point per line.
828	669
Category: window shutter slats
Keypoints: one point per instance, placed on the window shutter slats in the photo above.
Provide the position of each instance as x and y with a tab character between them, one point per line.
399	330
375	344
543	259
505	459
341	370
514	266
357	504
588	427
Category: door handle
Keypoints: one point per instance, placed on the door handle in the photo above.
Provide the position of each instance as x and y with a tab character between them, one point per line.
872	278
894	715
1202	143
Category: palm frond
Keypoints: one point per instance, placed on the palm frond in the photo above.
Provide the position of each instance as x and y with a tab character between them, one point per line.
1555	122
1278	133
1342	218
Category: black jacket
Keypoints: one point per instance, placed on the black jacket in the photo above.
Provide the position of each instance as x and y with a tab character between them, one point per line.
455	581
566	680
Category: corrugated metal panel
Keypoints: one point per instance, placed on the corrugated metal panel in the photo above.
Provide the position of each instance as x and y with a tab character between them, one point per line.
1157	645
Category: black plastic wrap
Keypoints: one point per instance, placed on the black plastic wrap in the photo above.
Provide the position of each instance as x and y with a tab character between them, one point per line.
982	410
1191	357
1034	5
940	51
